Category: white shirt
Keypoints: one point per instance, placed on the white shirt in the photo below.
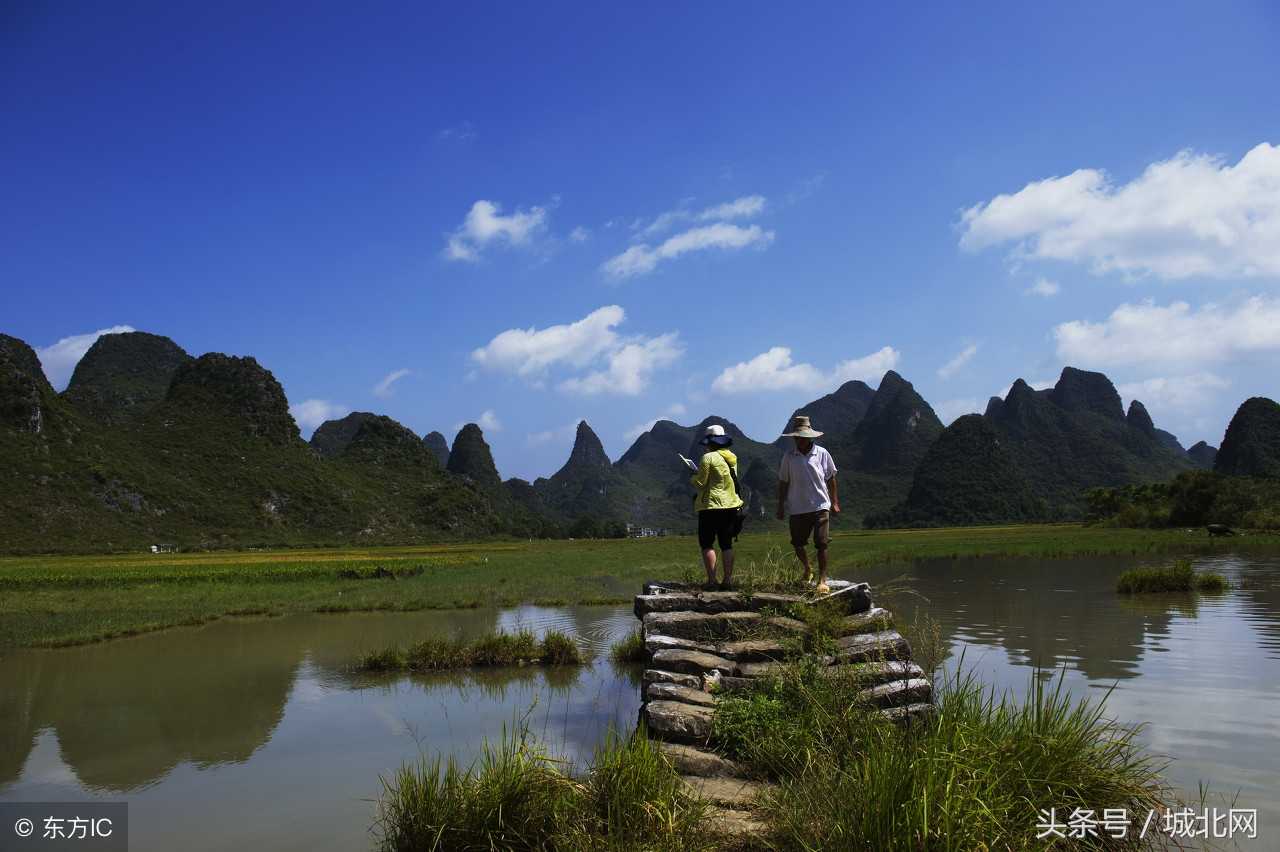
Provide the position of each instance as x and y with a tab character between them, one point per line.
806	475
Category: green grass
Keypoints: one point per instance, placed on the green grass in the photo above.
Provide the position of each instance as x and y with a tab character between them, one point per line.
61	600
494	649
972	777
629	649
518	797
1179	577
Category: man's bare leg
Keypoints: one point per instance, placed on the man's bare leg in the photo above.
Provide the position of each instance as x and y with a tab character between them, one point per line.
804	560
822	567
728	566
709	562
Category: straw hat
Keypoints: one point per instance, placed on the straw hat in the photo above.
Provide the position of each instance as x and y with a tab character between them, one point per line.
800	428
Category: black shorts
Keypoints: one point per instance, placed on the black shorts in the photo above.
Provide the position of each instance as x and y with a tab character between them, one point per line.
716	524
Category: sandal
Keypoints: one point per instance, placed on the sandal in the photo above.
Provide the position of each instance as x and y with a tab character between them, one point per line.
823	589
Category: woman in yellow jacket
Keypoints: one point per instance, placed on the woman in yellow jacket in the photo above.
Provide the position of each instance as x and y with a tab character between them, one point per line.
717	502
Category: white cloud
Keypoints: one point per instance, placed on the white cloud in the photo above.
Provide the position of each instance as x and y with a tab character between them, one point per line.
1191	215
953	366
529	352
462	132
579	234
59	359
384	388
626	362
1183	393
485	224
629	367
487	421
774	370
1148	334
642	259
951	409
310	413
561	433
746	207
1044	287
673	410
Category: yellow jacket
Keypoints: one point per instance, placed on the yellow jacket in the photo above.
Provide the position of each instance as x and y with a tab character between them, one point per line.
714	484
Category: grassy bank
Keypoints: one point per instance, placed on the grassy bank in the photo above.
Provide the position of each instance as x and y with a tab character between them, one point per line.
68	600
496	649
1179	577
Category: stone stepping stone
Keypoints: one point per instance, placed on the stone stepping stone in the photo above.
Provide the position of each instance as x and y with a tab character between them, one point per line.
676	692
898	693
736	793
788	624
698	626
872	647
715	602
668	602
688	760
849	600
756	650
909	714
772	600
875	619
656	643
737	684
652	676
693	662
877	673
677	721
740	825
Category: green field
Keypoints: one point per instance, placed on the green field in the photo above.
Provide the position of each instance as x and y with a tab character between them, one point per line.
61	600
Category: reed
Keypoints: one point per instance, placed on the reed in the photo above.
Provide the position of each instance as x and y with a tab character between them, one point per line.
555	648
629	649
1179	577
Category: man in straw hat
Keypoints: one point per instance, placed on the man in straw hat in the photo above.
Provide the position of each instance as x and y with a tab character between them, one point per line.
807	492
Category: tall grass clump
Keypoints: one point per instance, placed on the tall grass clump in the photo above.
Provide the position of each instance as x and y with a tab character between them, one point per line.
975	776
519	798
629	649
514	798
1179	577
555	648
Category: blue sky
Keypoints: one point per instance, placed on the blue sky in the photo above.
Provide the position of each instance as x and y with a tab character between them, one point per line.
535	214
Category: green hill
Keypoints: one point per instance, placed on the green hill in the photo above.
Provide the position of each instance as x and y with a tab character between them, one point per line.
1251	446
123	376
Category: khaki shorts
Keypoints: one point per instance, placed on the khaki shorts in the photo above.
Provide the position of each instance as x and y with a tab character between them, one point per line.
815	524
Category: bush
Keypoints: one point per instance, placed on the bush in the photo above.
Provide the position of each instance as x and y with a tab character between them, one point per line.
495	649
629	649
1179	577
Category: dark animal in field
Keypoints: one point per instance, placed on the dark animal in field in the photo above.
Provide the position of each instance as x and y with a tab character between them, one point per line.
1219	529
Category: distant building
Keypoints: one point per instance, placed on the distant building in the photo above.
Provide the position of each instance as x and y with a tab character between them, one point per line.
634	531
164	548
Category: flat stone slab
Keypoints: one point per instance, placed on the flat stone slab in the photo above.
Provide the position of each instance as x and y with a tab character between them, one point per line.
713	602
688	760
872	647
875	619
736	684
756	650
654	643
772	600
737	793
742	825
754	670
787	624
664	602
652	676
908	714
850	600
677	721
877	673
693	662
698	626
897	693
676	692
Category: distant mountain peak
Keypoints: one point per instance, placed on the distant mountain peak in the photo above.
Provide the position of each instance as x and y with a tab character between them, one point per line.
1203	454
472	458
1139	419
587	456
237	388
333	436
1251	446
24	390
124	375
1084	390
438	445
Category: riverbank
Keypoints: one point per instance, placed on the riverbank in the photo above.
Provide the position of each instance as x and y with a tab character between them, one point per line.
68	600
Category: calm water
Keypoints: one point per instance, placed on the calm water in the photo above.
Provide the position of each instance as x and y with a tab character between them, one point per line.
254	733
